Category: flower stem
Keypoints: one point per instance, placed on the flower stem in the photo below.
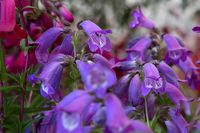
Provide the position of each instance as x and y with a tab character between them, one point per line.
146	112
23	22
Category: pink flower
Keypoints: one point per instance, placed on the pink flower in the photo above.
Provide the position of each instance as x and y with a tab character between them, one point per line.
7	15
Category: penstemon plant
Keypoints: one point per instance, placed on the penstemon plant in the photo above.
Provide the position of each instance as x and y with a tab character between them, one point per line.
58	77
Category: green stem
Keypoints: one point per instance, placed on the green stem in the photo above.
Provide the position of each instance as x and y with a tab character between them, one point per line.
146	112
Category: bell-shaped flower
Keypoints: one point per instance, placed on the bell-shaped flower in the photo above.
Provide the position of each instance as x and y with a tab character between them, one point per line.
97	37
45	41
168	73
96	77
7	15
66	14
50	77
178	120
171	127
116	119
135	90
139	20
175	50
177	97
152	80
196	29
138	50
191	72
70	110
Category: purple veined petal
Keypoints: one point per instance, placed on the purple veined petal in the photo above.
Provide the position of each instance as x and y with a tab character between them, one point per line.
45	41
171	127
75	102
196	29
92	47
99	118
66	47
177	97
107	46
144	90
139	48
178	120
89	27
134	90
150	71
114	108
140	127
168	73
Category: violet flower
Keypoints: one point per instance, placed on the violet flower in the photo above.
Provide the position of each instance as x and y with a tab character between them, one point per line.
7	15
175	50
66	14
96	77
135	90
152	80
97	37
138	19
177	97
196	29
190	71
138	50
70	110
168	73
45	41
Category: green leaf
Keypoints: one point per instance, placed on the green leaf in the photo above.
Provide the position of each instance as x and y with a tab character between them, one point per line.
9	88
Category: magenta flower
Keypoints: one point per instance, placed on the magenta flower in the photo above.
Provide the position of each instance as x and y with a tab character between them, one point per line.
97	77
152	79
66	14
140	20
7	15
175	50
97	37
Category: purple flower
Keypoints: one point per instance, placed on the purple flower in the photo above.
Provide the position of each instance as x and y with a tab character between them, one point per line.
196	29
96	77
140	20
70	110
177	97
175	50
152	79
140	127
168	73
97	37
190	71
138	50
50	77
45	41
171	127
116	119
178	121
135	90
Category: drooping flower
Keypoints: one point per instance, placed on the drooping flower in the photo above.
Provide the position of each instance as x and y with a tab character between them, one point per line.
50	77
177	97
175	50
7	15
96	77
70	110
138	50
135	90
97	37
178	121
168	73
191	73
152	80
140	20
45	41
196	29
